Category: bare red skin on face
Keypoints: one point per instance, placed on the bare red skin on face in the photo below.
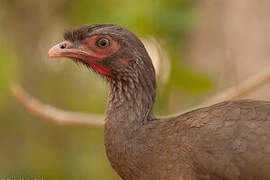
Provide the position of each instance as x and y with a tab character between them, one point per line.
89	45
100	68
87	51
125	60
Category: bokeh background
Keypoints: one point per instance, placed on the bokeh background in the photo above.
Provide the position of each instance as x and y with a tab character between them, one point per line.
199	48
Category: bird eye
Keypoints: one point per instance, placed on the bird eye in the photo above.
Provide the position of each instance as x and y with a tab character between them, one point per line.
103	43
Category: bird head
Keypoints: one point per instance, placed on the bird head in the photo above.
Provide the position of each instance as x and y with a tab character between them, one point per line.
121	58
112	51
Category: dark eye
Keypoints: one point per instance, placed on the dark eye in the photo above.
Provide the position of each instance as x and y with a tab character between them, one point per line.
103	43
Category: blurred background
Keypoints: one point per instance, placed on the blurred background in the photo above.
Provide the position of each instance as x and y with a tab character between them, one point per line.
199	48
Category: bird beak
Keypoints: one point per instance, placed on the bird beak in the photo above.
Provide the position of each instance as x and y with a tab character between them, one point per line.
66	49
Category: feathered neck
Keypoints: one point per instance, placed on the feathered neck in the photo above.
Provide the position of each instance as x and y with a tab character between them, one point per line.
131	97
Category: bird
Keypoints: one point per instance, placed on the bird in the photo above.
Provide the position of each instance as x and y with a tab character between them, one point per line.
225	141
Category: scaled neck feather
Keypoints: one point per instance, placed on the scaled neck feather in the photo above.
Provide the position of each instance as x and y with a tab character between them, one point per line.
131	99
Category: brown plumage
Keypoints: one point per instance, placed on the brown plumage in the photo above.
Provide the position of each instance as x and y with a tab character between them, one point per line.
229	140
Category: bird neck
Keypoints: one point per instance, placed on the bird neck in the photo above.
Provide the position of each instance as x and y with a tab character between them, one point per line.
131	101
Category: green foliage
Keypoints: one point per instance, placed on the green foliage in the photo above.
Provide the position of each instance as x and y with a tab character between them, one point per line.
7	72
161	18
185	79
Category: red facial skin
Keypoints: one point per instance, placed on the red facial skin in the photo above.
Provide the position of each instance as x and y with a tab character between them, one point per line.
125	61
86	51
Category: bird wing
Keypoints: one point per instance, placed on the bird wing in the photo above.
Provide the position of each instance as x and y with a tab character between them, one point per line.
229	139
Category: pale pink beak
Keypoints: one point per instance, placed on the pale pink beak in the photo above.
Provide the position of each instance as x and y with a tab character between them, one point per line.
66	49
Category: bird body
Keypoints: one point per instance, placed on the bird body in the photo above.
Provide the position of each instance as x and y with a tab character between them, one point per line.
229	140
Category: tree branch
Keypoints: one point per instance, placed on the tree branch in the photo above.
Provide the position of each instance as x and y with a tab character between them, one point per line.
63	117
242	89
53	114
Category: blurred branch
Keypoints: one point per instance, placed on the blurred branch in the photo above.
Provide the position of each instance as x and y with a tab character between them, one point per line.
242	89
63	117
53	114
238	91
